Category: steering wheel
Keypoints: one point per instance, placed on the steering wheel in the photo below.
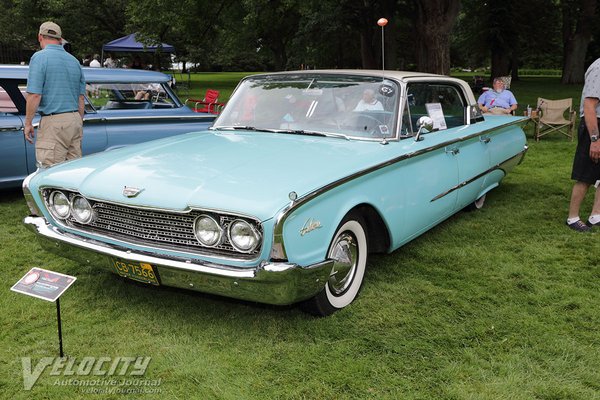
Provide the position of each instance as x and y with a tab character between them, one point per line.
363	123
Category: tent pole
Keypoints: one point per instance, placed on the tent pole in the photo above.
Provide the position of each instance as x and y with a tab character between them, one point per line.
102	57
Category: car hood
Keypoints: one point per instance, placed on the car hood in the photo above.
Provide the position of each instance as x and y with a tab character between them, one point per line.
249	173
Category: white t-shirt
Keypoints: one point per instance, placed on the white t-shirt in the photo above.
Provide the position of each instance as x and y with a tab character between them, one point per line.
363	106
95	64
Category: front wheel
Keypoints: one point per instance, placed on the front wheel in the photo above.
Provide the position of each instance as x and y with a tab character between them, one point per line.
349	251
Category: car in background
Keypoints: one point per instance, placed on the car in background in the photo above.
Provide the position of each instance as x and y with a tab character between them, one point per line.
301	176
122	107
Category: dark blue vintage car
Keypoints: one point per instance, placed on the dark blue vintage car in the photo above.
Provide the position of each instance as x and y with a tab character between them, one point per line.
122	107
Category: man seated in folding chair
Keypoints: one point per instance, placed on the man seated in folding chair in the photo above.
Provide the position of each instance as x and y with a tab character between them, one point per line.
499	101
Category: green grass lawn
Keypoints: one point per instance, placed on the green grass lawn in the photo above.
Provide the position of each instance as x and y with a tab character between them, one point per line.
501	303
198	83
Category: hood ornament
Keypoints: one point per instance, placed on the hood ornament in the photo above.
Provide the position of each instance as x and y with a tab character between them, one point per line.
130	192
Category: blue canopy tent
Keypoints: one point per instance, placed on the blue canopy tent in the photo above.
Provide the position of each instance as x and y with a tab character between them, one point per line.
130	44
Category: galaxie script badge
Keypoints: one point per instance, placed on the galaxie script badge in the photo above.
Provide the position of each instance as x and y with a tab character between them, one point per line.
310	225
131	191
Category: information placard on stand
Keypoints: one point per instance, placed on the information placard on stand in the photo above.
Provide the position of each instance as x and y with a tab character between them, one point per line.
45	285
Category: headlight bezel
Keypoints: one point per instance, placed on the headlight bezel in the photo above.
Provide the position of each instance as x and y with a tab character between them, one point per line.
255	233
77	217
51	205
219	229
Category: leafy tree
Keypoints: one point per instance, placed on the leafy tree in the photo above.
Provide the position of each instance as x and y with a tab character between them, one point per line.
189	25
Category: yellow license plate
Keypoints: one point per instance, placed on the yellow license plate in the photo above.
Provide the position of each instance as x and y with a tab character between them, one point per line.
137	271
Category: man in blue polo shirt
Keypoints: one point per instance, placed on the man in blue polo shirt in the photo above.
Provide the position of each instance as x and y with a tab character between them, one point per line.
497	101
55	87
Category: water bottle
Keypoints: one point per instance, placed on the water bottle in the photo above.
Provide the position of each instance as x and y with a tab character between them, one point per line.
528	111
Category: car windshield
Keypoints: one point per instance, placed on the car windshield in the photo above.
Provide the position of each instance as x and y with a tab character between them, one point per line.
314	104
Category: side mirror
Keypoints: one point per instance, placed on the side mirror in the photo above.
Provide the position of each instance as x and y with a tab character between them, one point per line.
423	123
473	114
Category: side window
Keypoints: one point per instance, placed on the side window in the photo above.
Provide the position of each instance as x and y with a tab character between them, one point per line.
127	96
425	96
7	104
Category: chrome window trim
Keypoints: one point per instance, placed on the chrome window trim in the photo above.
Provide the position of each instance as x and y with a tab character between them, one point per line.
278	251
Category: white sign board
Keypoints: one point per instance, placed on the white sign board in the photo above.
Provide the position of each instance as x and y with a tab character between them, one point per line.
437	115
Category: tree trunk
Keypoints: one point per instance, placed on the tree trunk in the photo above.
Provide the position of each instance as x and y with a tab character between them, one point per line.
366	49
501	62
434	22
501	36
577	33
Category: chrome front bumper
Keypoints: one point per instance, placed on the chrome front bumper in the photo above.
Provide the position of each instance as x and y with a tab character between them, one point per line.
269	282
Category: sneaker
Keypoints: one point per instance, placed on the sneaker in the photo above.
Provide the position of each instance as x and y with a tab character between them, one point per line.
579	226
597	224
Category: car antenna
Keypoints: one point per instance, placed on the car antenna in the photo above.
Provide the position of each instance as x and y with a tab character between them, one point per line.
382	22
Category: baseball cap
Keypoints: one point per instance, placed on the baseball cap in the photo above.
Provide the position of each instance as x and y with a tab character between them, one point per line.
51	29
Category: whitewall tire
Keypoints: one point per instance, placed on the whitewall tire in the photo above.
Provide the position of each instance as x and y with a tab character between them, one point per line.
348	249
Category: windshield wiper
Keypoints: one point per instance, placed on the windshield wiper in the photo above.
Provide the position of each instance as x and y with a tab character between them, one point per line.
233	128
299	132
286	131
244	128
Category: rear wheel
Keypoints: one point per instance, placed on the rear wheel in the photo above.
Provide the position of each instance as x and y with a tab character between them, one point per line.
349	250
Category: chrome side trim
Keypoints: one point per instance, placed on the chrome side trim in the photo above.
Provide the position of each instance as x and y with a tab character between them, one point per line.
272	283
12	129
500	166
161	117
278	251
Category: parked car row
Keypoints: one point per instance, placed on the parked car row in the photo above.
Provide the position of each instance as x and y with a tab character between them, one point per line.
123	107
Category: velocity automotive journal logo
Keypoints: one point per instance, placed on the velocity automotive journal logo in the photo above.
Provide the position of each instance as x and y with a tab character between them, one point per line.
103	374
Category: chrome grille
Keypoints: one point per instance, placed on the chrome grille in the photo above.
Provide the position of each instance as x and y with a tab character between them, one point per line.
163	229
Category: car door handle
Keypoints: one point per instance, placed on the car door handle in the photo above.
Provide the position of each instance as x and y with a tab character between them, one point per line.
484	139
94	119
454	151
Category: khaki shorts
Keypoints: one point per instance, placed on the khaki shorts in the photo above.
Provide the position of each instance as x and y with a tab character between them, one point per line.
497	111
59	138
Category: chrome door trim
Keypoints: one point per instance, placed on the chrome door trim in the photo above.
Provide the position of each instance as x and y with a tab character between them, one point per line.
11	128
499	166
160	117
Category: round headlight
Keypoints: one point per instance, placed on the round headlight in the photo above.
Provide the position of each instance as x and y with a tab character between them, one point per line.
82	210
243	236
58	204
207	230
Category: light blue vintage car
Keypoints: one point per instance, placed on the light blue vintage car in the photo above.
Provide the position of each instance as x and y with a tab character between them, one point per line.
122	107
299	179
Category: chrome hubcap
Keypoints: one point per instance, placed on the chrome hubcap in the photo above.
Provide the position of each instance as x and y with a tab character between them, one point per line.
345	255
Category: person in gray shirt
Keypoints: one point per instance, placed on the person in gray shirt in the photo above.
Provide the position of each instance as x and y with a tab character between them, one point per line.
586	164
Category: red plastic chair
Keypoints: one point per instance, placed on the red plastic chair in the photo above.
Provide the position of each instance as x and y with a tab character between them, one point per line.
209	104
